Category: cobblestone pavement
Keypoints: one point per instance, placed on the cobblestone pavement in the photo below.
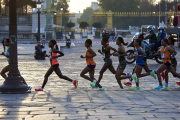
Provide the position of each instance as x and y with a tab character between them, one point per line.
60	100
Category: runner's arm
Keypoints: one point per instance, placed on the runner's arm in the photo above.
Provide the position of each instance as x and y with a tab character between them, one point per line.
148	48
171	50
141	51
92	52
111	48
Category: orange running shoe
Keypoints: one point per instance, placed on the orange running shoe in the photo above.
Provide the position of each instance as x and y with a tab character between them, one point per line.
163	75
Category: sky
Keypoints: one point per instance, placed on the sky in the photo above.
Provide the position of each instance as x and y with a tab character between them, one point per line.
79	5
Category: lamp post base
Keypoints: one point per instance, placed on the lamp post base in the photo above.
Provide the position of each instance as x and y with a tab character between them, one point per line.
14	85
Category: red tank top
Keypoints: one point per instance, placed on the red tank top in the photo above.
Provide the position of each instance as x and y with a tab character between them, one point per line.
53	61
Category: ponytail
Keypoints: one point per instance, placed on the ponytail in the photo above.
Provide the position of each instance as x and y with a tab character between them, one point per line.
56	46
54	43
121	40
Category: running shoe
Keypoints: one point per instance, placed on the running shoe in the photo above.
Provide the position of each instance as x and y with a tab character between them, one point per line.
94	83
40	89
166	88
29	87
159	87
136	89
122	89
134	77
178	83
75	83
128	84
153	74
101	89
163	75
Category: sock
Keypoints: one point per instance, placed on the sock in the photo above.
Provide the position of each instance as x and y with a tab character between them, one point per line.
166	84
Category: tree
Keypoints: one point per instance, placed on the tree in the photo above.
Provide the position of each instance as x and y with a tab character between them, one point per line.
70	24
21	3
97	25
120	5
83	25
85	17
65	10
65	6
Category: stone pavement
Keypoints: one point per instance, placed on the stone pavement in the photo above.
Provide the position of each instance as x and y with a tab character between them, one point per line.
60	100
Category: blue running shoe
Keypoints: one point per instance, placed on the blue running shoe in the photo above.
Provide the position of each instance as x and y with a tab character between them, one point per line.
94	83
95	86
159	87
122	89
29	87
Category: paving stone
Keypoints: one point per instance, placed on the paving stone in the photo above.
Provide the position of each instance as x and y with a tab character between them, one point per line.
60	100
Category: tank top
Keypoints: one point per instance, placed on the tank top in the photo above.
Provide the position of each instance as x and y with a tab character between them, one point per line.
139	60
89	61
106	54
53	61
165	55
7	54
144	48
121	58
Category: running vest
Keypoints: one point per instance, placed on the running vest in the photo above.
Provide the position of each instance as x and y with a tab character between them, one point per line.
121	58
144	48
53	61
165	55
139	60
89	61
106	54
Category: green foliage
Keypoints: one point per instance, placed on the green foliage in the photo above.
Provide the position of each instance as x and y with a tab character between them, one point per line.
120	5
86	15
83	25
21	3
65	6
97	25
135	5
70	24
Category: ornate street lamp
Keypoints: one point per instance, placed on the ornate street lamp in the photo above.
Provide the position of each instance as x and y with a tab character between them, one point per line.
13	83
38	5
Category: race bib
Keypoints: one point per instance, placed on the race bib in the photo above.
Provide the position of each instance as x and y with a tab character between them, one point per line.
162	55
103	55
